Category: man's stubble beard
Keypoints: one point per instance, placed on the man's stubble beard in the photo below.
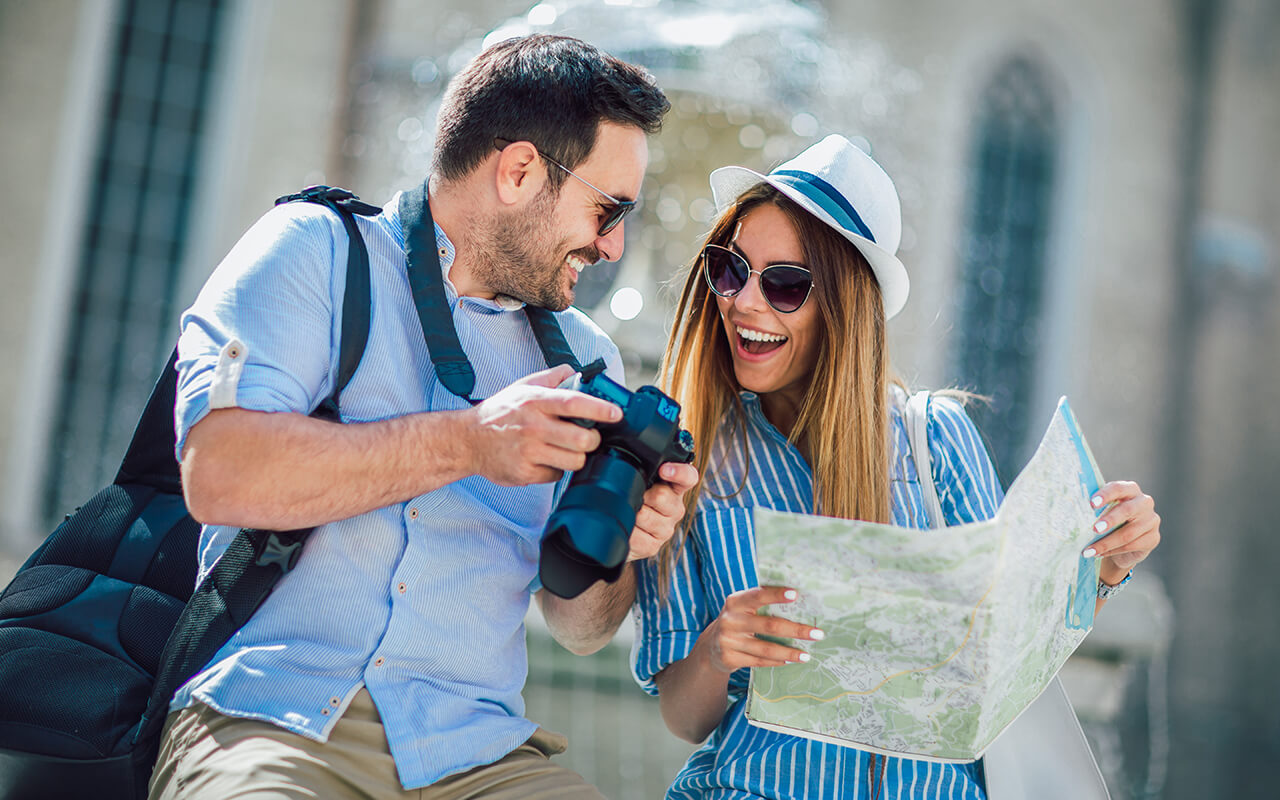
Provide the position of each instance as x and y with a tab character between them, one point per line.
518	255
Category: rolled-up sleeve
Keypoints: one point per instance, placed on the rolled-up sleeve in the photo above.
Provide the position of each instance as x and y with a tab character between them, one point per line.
261	334
667	623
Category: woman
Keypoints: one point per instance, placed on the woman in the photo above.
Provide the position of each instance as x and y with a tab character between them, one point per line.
779	360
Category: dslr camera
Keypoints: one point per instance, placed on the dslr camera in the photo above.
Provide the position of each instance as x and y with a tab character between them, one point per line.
588	534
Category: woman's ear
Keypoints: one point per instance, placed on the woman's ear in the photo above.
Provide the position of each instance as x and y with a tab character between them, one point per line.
520	175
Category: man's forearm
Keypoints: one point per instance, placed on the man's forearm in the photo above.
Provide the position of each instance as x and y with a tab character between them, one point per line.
282	470
587	622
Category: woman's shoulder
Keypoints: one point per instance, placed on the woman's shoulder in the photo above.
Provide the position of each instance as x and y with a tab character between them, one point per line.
946	408
949	417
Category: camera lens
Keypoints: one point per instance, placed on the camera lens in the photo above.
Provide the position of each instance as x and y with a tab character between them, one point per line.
589	533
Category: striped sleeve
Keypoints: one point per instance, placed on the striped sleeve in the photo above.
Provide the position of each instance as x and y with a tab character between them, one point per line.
667	626
967	484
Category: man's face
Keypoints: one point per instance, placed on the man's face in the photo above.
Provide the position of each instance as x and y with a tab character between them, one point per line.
538	251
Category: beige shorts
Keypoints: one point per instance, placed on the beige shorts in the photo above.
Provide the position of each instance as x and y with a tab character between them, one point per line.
205	755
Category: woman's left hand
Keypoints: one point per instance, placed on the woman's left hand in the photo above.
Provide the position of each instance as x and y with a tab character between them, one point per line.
662	511
1132	529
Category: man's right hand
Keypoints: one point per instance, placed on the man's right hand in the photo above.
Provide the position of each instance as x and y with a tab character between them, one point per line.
524	435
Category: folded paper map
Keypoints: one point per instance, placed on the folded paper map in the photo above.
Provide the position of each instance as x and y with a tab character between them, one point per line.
936	640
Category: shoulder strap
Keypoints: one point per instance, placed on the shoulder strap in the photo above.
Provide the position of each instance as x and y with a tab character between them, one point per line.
423	265
546	329
916	415
150	459
255	560
424	269
356	298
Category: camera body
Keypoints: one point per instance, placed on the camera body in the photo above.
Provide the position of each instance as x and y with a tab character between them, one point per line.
588	534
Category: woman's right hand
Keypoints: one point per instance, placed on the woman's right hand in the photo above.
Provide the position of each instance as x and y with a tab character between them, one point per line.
733	637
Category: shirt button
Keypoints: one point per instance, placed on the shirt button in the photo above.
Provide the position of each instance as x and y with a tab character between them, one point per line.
324	711
377	662
335	701
413	513
402	588
444	252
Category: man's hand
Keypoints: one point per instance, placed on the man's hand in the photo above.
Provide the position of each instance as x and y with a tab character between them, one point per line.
662	511
523	434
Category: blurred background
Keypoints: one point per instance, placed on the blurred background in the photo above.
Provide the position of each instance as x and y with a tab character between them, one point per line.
1090	209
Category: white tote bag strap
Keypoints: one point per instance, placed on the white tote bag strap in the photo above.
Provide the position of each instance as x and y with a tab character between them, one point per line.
917	419
1043	754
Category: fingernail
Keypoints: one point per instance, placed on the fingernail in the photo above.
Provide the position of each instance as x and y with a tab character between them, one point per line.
804	657
1097	501
790	594
1089	553
1100	526
817	635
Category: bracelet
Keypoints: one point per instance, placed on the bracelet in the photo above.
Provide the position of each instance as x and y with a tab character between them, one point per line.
1106	591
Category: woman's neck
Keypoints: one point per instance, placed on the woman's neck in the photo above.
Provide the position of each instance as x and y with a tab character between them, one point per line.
782	409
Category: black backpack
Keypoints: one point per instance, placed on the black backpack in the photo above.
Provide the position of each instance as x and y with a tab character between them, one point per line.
100	626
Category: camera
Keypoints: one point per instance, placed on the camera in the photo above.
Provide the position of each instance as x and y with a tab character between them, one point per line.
588	534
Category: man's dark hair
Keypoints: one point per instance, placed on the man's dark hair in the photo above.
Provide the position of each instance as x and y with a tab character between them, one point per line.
553	91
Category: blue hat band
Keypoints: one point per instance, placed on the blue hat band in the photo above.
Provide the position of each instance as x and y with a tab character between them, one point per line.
826	196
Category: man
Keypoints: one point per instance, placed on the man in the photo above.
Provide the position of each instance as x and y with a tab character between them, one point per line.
392	657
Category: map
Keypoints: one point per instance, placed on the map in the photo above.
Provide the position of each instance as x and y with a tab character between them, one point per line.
936	640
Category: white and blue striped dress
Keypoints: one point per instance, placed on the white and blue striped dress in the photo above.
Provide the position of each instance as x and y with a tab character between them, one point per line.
743	761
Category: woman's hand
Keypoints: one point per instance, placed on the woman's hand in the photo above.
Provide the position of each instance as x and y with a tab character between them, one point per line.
733	638
662	510
1132	527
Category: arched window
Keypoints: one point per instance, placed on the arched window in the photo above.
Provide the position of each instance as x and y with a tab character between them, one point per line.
1003	254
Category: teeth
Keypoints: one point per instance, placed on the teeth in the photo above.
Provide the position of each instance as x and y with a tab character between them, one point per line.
758	336
577	263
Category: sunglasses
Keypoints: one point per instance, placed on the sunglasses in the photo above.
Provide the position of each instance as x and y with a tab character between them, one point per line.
613	211
785	287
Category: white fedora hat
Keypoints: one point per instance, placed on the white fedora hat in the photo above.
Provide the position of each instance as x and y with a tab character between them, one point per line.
840	185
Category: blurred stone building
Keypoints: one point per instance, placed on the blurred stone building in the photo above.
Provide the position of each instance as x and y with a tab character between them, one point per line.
1089	209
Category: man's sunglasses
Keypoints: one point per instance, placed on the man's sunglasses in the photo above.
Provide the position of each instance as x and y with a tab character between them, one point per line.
614	211
785	287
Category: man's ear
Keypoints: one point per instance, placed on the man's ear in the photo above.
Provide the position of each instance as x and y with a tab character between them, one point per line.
520	174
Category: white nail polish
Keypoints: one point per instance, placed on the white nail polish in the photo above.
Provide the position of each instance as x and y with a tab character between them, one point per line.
1100	526
790	594
1097	502
1089	553
804	657
817	635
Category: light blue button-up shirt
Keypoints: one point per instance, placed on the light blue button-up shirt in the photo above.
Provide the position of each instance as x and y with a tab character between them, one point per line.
761	468
422	602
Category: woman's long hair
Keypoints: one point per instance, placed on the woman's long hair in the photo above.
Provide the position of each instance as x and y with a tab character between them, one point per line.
843	419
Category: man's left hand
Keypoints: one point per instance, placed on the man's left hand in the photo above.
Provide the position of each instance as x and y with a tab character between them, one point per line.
662	511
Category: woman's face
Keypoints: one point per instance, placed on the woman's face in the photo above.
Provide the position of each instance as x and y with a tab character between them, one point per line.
773	353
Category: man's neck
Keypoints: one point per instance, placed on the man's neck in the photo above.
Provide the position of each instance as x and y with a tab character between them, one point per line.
453	207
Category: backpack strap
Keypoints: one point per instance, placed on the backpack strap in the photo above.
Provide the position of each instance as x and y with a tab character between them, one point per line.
355	304
255	560
423	265
149	459
916	416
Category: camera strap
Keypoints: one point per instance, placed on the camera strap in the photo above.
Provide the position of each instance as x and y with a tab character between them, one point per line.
427	282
